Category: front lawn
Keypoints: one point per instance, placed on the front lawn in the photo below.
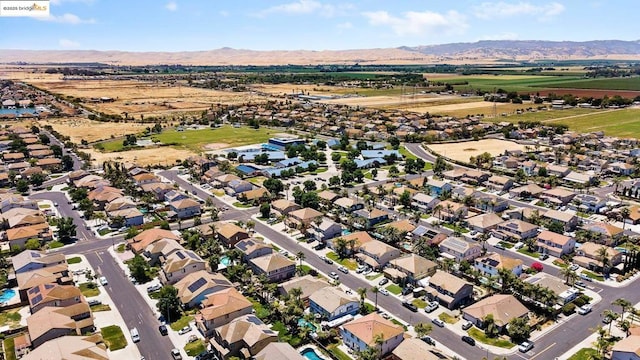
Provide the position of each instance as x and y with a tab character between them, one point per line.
507	245
394	289
480	336
74	260
55	245
9	349
104	232
457	228
584	354
592	275
421	304
348	263
373	277
101	307
448	318
195	348
89	289
525	250
121	248
241	205
113	337
560	263
399	323
182	322
336	352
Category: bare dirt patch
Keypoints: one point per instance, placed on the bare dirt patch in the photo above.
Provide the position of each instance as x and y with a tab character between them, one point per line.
216	146
79	128
153	156
462	151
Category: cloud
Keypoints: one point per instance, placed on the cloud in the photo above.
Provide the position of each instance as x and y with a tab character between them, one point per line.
224	13
303	7
345	25
171	6
502	9
68	44
502	36
67	18
419	23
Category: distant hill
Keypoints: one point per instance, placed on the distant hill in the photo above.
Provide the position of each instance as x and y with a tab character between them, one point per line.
457	53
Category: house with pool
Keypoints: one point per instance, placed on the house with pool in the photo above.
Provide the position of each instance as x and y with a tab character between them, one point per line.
360	334
332	303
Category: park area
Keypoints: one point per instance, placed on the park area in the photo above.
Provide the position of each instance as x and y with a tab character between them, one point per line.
462	151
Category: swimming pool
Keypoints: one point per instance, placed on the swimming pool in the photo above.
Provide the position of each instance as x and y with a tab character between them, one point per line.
310	354
7	295
225	261
303	322
346	232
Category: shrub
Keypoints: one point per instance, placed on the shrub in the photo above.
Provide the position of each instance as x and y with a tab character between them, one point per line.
569	309
579	301
537	266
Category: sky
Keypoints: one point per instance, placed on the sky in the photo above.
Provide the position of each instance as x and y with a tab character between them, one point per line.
190	25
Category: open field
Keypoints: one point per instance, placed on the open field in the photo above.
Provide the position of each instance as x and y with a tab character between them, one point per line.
144	98
462	151
632	83
226	136
80	128
163	156
406	102
620	123
544	116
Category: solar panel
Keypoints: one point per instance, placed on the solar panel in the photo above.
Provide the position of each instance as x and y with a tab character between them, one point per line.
180	255
193	255
36	299
197	284
34	290
35	254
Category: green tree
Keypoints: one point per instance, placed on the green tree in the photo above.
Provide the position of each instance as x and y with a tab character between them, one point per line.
37	179
139	269
67	163
519	329
394	142
405	199
32	244
22	186
265	210
490	327
375	291
169	303
423	329
66	229
624	305
275	186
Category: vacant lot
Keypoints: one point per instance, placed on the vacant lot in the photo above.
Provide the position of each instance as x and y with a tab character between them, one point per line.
544	116
619	123
405	102
154	156
80	128
197	140
462	151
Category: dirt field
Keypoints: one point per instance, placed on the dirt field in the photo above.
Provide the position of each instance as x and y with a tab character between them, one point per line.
163	156
462	151
406	102
80	128
145	98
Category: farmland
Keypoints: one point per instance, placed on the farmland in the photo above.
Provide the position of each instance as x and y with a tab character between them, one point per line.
632	84
620	123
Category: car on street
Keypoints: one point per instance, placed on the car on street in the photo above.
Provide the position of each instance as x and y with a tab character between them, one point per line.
103	281
429	340
468	325
525	346
333	275
580	284
437	322
326	259
385	315
184	330
320	246
55	204
383	282
543	256
343	269
473	233
573	267
163	330
175	354
584	309
432	306
135	337
384	292
469	340
410	306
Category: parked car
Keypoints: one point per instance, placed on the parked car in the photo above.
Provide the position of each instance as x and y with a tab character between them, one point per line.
135	337
429	340
333	275
469	340
432	306
573	267
94	302
343	269
184	330
499	246
103	281
383	282
519	245
606	320
192	338
585	277
410	306
385	315
438	322
175	354
360	269
473	233
326	259
384	292
580	284
320	246
154	288
468	325
407	290
163	330
525	346
584	309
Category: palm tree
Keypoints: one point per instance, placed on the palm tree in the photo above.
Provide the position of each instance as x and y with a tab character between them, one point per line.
624	305
568	275
624	214
603	256
301	256
612	315
438	209
295	293
423	329
363	294
375	290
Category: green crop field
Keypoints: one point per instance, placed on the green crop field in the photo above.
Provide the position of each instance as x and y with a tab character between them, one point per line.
524	83
620	123
632	84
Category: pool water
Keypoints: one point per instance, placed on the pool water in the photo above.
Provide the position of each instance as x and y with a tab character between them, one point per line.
225	261
7	295
309	353
346	232
303	322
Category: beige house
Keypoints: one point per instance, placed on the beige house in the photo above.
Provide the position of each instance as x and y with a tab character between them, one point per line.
416	349
377	254
410	268
503	308
274	266
303	217
230	233
555	244
627	349
517	229
220	308
180	264
484	222
70	347
308	284
283	207
243	337
148	237
54	322
360	334
193	288
587	256
280	351
53	295
459	249
449	290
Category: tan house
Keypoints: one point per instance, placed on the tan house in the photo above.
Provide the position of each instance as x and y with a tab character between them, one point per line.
55	274
503	308
193	288
283	207
230	233
30	260
416	349
220	308
377	254
360	334
70	347
451	211
587	255
179	264
53	295
516	229
54	322
307	284
252	248
243	337
140	242
303	218
484	222
19	236
569	221
555	244
609	234
280	351
449	290
274	266
410	268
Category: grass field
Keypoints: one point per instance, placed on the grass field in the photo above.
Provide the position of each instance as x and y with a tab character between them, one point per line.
10	318
113	337
182	322
584	354
9	348
196	140
89	289
632	84
524	83
620	123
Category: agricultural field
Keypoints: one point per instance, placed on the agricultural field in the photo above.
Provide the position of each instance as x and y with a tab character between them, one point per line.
624	123
462	151
545	116
632	84
78	128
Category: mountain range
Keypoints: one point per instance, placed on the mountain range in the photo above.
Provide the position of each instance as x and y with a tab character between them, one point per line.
456	53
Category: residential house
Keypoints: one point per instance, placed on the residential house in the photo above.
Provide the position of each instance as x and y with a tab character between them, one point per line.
332	303
503	308
620	168
626	349
252	248
223	181
54	274
451	211
220	308
70	347
120	203
244	337
283	207
449	290
564	293
526	191
254	196
587	255
403	226
185	208
459	249
274	266
517	229
156	252
229	233
54	322
557	170
30	260
416	349
140	242
174	195
372	330
280	351
302	218
307	284
102	195
180	264
438	187
53	295
145	178
19	236
568	220
499	183
587	203
194	287
327	197
607	233
236	187
325	230
50	164
131	216
490	264
424	202
158	189
353	241
410	269
377	254
348	205
368	219
557	196
10	201
489	202
555	244
484	222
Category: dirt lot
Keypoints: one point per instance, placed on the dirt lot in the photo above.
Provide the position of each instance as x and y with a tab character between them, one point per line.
144	98
80	128
405	102
152	156
462	151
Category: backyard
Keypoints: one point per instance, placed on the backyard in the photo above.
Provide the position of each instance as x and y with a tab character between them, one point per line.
113	337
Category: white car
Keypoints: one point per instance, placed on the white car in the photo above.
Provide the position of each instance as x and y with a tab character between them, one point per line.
431	306
103	281
573	267
584	309
384	292
525	346
184	330
333	275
